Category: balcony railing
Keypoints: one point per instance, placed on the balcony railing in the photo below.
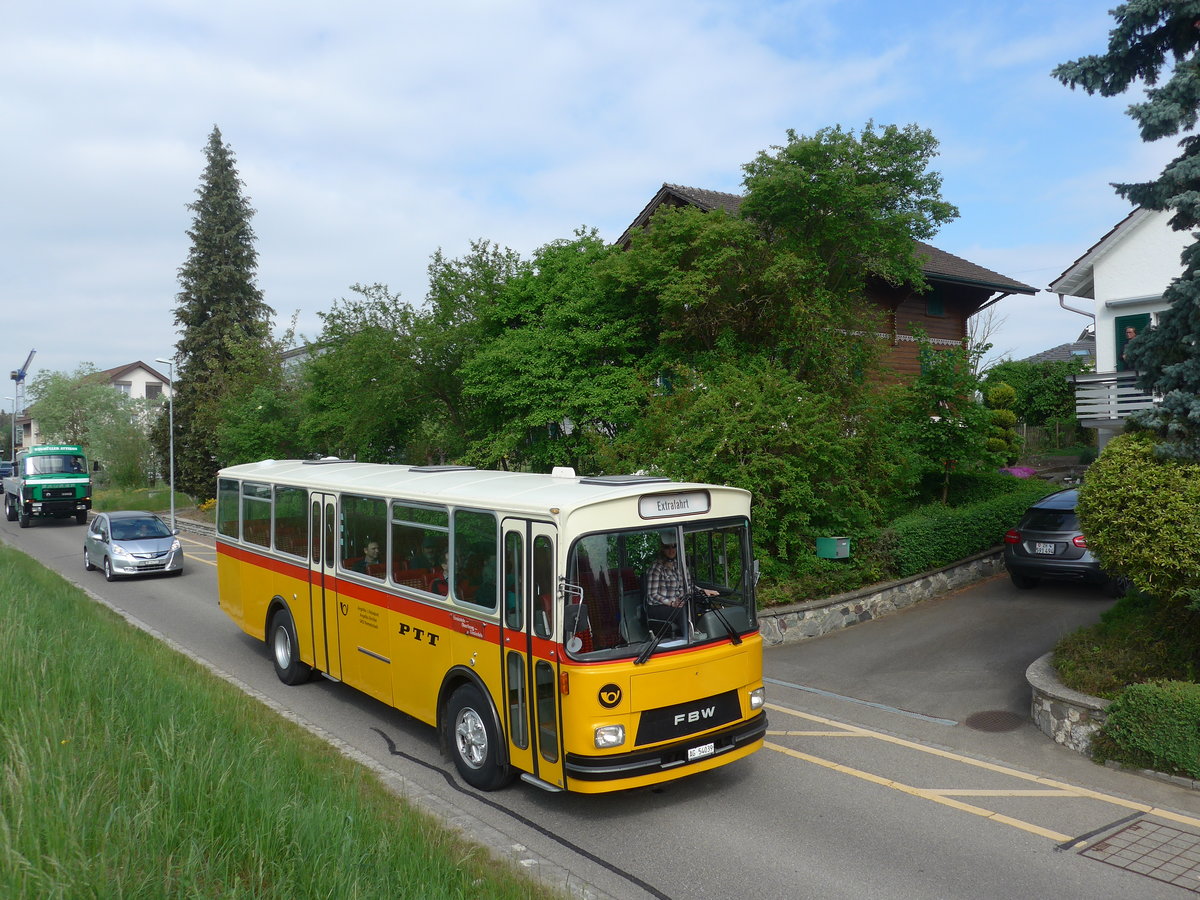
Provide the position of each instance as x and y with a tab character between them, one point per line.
1107	398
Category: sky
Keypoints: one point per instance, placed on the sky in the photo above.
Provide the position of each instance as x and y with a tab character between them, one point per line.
369	135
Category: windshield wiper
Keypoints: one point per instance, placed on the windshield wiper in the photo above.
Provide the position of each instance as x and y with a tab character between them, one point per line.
654	641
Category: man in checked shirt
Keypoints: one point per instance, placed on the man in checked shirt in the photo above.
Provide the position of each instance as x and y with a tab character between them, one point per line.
666	583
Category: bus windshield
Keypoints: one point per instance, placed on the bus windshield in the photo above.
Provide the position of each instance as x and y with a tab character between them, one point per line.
670	585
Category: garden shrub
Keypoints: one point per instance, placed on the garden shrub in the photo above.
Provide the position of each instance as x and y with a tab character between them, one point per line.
972	487
1140	638
936	535
1141	516
1155	725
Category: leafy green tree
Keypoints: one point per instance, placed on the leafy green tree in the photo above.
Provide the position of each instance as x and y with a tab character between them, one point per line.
360	398
84	409
704	285
1045	393
951	426
816	465
226	326
557	369
853	205
1150	36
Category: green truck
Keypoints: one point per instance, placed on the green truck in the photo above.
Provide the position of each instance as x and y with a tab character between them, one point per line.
50	480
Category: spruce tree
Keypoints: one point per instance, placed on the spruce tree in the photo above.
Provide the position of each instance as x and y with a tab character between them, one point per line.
225	324
1150	36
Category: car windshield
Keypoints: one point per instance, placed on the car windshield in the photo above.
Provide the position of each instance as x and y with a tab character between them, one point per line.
139	529
610	574
55	464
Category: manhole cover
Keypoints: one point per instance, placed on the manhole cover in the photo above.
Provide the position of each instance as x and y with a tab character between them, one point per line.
994	720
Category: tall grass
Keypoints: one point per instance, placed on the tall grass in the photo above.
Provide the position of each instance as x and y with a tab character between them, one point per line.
128	771
155	499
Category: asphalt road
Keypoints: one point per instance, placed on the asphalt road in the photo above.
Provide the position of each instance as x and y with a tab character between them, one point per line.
873	782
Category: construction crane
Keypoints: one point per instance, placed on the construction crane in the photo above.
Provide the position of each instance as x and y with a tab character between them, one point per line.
18	378
19	375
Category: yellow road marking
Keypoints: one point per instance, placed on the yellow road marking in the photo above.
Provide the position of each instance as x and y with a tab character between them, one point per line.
1014	793
1068	789
924	794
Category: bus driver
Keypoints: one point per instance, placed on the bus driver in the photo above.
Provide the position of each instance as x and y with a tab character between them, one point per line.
666	586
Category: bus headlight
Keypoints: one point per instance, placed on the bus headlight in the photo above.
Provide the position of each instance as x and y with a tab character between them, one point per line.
610	736
758	697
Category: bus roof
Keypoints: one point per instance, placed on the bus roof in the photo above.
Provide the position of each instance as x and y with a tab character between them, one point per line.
464	486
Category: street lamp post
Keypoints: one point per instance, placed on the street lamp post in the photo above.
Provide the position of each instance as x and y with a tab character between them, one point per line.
170	364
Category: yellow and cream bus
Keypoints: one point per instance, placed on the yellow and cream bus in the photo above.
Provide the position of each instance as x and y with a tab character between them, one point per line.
508	610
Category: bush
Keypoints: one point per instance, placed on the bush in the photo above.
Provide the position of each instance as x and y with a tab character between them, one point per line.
1154	726
1140	638
1142	516
973	487
936	535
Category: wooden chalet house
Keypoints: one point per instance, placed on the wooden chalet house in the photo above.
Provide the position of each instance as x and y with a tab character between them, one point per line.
958	288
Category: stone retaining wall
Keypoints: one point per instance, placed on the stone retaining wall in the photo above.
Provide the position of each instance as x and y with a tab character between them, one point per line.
813	618
1067	716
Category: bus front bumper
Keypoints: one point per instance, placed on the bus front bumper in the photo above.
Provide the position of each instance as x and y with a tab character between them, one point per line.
667	756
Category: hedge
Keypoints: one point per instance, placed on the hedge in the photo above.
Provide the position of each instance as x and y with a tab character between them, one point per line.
935	535
1155	725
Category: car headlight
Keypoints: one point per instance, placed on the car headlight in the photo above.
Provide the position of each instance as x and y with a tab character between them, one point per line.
118	550
758	697
175	546
610	736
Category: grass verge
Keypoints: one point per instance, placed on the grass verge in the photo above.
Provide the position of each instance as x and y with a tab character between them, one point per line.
129	771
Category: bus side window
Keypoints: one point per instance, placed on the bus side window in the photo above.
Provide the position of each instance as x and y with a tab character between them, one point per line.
543	586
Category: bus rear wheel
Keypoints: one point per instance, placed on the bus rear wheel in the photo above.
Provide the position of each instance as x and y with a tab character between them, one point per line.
285	649
474	742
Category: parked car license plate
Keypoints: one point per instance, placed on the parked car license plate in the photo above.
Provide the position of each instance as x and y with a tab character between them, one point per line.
700	752
1044	549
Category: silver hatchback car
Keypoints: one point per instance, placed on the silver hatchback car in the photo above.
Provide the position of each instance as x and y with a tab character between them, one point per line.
131	543
1047	543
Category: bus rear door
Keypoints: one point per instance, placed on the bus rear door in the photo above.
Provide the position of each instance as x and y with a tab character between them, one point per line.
530	708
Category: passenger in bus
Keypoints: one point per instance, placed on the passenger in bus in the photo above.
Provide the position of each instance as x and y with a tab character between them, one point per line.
370	564
666	584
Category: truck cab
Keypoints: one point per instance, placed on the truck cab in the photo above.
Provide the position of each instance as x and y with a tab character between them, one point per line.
48	480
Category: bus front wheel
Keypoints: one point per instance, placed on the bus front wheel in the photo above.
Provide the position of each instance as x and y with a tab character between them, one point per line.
285	650
474	743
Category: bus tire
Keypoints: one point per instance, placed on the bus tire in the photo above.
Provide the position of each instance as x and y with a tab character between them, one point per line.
474	741
285	649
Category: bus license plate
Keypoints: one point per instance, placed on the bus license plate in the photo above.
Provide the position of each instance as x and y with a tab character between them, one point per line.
1043	549
702	751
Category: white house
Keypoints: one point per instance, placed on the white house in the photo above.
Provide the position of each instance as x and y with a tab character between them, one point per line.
133	380
1124	274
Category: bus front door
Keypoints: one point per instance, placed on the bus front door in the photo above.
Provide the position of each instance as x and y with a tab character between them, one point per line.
323	597
531	703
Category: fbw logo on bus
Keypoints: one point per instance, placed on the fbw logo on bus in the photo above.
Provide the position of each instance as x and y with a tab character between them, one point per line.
695	715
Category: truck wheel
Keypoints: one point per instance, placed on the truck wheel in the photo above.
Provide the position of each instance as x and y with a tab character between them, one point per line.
23	518
10	509
81	517
474	742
